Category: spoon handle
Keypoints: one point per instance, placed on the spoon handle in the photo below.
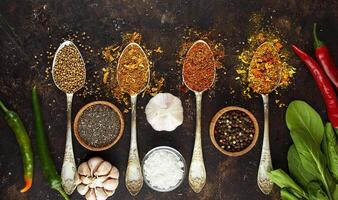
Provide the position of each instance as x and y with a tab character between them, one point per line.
265	165
134	177
68	167
197	173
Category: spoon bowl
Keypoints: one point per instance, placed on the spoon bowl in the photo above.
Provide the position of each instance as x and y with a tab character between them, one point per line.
62	45
198	42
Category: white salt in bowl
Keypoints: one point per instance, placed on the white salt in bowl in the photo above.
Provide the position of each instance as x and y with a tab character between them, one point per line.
171	151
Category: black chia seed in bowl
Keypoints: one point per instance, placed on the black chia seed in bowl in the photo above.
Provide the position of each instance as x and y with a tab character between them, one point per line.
98	126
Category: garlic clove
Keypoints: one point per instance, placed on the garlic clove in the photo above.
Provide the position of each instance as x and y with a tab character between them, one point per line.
85	180
110	184
84	169
114	173
77	179
103	169
91	195
100	194
109	192
93	164
82	189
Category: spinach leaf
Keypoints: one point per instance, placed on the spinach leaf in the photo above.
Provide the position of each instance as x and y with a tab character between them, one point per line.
313	160
284	181
301	117
296	168
286	195
331	150
316	192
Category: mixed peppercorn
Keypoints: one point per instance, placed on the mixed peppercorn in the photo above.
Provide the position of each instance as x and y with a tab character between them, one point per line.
234	131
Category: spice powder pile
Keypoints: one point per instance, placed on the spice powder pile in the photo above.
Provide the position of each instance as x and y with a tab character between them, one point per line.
133	70
265	69
234	131
99	126
199	67
69	71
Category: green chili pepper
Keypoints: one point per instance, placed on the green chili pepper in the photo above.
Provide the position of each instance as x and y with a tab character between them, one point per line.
47	164
15	123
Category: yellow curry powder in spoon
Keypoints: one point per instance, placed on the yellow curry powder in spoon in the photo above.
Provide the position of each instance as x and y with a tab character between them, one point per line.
133	70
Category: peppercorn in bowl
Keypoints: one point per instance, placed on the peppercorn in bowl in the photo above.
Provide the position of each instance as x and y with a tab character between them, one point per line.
234	131
98	125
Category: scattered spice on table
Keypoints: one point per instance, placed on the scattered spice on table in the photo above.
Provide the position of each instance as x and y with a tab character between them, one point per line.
260	34
111	54
264	70
99	125
69	69
234	131
163	169
133	69
199	67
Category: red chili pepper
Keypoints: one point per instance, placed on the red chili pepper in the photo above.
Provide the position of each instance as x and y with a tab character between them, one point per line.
324	58
323	83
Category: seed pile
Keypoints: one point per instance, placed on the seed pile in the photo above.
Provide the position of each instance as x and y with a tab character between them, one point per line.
234	131
199	67
132	72
69	70
99	125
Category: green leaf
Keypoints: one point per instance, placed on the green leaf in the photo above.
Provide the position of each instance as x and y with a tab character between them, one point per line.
286	195
316	192
335	194
296	168
312	159
284	181
331	150
301	117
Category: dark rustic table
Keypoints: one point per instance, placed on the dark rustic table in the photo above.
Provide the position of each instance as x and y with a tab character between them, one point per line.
27	28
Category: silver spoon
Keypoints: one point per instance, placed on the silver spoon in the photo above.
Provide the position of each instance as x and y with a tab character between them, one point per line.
197	172
68	171
134	177
265	165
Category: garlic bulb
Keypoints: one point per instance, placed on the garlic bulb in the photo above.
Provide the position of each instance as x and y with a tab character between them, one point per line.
97	179
164	112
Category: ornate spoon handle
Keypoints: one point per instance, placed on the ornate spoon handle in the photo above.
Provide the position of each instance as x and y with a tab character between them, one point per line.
68	167
265	165
197	173
134	177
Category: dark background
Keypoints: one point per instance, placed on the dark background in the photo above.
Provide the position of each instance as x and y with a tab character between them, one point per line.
27	28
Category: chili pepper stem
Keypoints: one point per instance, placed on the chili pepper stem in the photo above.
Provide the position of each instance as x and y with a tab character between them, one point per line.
63	193
28	184
317	43
3	107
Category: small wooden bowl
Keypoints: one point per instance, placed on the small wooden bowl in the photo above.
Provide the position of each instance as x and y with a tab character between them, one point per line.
76	123
212	131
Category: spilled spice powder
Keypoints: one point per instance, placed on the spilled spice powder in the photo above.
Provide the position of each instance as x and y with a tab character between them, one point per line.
111	54
259	34
133	69
199	67
264	70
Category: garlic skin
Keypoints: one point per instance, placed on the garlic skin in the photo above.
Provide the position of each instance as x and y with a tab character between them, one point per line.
164	112
97	179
